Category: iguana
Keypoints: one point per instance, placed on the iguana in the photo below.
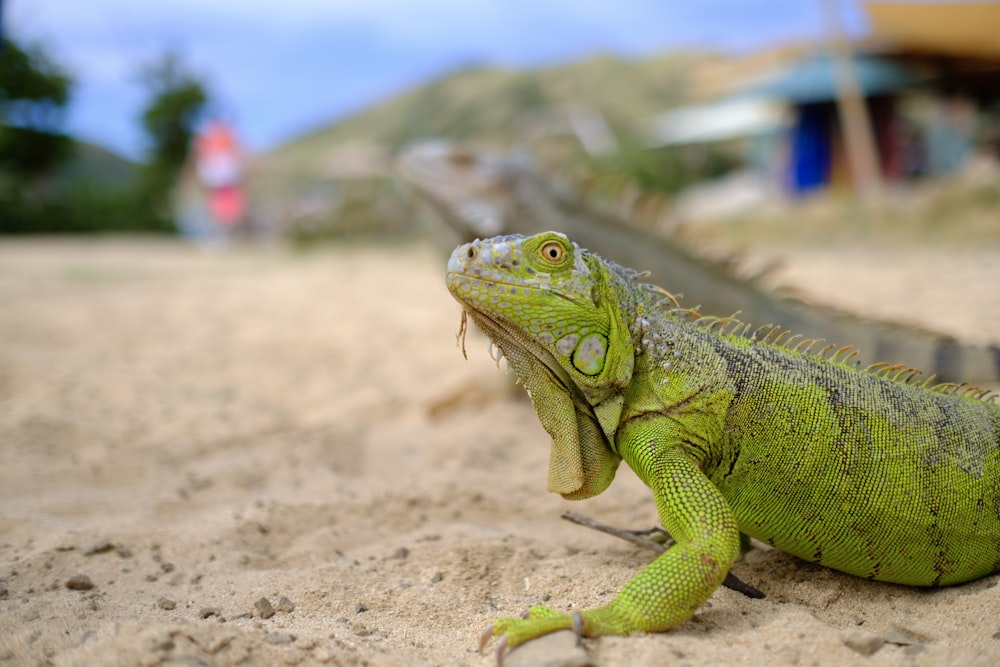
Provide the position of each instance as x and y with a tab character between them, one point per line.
468	194
735	431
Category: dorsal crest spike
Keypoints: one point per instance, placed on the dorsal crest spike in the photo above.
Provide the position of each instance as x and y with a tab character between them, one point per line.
792	339
813	344
758	330
803	344
781	337
841	353
773	335
823	352
775	330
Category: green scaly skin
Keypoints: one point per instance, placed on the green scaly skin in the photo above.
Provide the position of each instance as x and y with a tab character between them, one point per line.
855	469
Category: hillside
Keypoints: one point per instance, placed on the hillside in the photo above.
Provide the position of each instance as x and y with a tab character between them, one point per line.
488	107
95	166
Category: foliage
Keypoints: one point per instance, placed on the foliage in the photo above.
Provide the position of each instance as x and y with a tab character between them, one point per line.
52	184
33	96
81	208
177	100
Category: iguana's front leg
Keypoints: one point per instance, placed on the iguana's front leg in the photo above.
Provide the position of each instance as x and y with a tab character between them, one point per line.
668	590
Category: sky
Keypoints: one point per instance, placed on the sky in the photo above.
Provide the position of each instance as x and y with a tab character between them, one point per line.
279	68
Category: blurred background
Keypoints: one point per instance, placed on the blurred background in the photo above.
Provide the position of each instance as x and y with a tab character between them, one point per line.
229	121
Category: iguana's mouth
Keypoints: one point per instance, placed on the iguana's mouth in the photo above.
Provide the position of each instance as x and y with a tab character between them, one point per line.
517	348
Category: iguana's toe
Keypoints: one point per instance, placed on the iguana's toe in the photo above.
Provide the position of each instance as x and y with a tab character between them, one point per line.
540	620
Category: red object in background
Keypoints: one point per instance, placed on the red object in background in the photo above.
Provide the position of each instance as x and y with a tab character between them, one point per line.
226	204
218	166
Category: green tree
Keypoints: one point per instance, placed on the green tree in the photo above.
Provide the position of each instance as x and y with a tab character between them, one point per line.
177	100
34	93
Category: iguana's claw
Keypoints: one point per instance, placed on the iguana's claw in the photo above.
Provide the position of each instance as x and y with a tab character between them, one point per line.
495	629
578	627
502	644
485	638
501	651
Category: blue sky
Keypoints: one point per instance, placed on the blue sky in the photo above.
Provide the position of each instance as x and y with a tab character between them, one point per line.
281	67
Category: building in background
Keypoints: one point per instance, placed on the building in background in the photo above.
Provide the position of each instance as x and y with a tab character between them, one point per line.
929	77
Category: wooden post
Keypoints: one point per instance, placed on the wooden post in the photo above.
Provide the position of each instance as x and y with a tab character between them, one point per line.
862	156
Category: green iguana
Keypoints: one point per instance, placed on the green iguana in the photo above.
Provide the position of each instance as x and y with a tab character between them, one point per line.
863	470
470	194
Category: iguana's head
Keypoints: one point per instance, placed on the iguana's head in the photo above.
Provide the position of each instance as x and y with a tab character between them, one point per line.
555	312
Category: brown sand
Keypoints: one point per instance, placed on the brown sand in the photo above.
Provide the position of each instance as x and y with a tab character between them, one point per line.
194	432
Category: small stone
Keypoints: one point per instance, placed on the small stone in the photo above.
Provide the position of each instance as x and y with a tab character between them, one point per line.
558	648
264	608
903	636
863	643
207	612
163	644
285	606
166	603
437	578
167	567
123	551
79	582
400	554
98	547
360	608
279	638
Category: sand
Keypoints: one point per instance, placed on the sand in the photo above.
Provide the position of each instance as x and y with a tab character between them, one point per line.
258	457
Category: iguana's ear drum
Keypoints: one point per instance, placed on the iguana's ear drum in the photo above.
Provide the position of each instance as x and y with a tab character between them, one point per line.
606	390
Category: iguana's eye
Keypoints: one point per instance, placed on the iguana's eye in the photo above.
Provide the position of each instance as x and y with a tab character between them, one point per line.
552	251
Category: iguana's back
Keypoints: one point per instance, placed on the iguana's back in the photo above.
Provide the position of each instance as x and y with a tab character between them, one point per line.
871	476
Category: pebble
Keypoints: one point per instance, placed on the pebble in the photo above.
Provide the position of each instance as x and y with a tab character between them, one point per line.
863	643
279	638
559	649
166	603
264	608
79	582
206	612
903	636
98	547
285	605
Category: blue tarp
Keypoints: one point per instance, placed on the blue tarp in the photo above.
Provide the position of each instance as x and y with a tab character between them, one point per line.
812	150
814	79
